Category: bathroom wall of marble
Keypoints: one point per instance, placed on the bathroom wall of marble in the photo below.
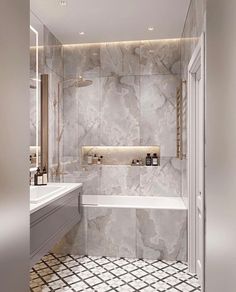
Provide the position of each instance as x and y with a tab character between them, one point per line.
132	101
123	180
148	233
193	28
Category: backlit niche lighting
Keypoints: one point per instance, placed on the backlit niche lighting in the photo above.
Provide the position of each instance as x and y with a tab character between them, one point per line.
117	155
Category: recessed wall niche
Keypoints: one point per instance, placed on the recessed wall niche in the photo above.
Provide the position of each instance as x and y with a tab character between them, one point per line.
118	155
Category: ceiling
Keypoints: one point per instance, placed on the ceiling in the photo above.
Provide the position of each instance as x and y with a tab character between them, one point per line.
112	20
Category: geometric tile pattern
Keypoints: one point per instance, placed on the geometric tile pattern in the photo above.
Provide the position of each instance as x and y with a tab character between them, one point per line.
102	274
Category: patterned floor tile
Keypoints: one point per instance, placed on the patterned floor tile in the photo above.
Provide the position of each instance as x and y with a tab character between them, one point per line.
103	274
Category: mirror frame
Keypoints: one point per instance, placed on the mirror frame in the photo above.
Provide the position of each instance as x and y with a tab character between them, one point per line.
37	97
44	121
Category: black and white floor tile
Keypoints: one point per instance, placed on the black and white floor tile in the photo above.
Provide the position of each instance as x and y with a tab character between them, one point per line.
102	274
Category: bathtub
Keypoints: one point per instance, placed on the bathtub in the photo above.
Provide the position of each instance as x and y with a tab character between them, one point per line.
136	202
130	226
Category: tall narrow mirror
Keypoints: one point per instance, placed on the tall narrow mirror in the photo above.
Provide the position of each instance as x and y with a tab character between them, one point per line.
35	143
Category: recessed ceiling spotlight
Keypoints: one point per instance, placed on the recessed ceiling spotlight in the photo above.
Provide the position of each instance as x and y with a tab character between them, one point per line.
150	28
63	2
82	33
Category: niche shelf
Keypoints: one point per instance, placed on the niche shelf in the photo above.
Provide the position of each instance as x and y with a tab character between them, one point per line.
118	155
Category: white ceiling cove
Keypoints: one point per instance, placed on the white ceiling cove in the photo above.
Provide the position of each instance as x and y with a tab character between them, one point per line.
112	20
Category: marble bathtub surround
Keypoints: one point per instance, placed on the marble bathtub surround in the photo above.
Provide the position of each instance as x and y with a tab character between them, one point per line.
124	232
118	155
161	234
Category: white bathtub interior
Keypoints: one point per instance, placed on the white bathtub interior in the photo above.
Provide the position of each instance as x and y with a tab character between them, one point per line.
137	202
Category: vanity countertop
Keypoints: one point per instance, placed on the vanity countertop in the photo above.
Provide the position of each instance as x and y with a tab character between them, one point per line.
61	189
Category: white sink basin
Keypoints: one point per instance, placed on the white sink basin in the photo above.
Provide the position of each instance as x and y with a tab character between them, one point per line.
40	193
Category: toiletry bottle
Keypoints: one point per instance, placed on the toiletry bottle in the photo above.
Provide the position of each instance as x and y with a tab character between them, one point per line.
95	159
101	158
155	160
133	162
99	161
45	176
148	159
90	159
38	178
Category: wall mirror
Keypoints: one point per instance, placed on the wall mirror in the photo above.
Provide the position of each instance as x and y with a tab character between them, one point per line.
38	86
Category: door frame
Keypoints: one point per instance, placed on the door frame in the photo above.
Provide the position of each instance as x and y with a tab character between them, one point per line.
197	60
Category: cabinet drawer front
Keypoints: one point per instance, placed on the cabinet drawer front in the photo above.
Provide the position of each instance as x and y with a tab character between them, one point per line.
47	224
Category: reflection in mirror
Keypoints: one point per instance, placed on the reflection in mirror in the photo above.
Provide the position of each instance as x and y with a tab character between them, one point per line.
34	100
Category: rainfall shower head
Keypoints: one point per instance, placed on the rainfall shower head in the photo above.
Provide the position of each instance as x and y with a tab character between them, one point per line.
78	82
81	82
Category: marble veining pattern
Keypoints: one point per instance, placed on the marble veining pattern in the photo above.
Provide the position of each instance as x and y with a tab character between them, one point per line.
120	59
131	102
160	57
161	234
120	181
81	60
105	226
120	111
128	232
158	112
161	181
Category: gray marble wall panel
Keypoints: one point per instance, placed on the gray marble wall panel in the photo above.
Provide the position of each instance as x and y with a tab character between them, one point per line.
90	176
53	52
131	102
120	180
160	57
111	232
161	181
54	106
89	104
81	60
126	232
120	59
161	234
120	111
70	121
158	112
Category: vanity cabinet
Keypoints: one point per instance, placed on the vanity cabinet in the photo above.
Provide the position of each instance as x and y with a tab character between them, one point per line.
51	222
